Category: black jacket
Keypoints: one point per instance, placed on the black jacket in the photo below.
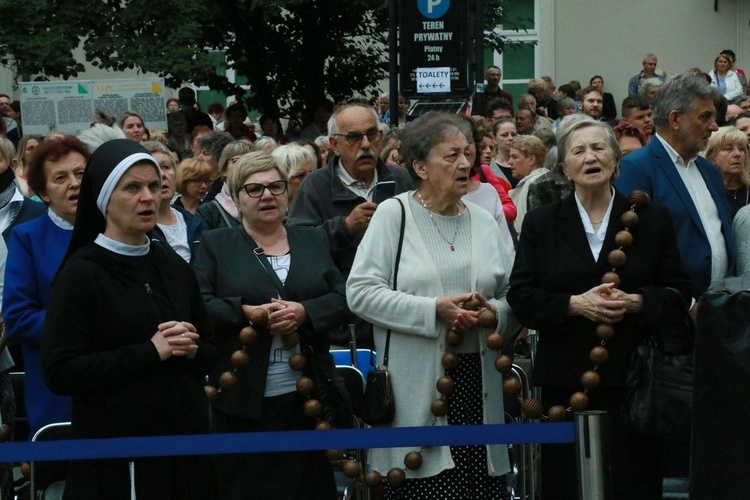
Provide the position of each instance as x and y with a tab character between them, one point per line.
554	261
96	347
323	201
230	275
195	226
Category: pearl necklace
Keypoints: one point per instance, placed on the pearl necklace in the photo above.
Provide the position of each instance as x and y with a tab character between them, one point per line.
458	223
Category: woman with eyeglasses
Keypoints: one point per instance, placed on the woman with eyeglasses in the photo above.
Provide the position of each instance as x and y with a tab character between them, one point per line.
194	177
286	274
222	211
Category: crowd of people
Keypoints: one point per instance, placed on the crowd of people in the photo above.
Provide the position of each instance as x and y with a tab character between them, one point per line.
139	264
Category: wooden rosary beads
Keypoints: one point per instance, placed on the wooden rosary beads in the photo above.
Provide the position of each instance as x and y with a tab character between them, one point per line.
439	407
599	354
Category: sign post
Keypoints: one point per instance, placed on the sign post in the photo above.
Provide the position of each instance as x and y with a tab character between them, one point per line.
435	49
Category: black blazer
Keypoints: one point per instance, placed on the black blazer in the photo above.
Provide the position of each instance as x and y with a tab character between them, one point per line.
554	261
609	108
229	275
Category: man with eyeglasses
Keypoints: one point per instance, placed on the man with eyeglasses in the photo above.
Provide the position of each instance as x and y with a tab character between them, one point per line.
211	145
339	197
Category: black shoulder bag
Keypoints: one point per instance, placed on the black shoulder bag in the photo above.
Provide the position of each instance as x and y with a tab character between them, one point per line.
329	386
659	398
379	406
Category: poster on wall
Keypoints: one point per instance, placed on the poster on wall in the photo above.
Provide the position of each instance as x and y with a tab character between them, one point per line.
63	106
69	106
144	96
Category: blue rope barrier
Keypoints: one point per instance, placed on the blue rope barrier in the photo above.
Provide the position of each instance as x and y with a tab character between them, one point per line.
262	442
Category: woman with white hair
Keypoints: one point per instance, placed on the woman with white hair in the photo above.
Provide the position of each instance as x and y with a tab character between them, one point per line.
297	161
727	149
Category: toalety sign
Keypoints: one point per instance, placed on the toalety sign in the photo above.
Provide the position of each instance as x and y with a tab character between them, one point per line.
434	48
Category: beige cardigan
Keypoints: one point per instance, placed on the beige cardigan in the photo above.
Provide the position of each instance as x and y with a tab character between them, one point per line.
417	338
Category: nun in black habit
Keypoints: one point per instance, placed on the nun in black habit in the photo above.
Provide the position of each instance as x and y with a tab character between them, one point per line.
127	334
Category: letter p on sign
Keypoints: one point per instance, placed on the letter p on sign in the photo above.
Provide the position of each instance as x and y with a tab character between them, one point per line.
433	9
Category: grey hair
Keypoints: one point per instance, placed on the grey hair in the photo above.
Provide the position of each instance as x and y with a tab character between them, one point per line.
547	135
551	159
291	158
649	82
234	148
566	102
568	121
563	141
266	144
426	132
98	134
649	56
333	126
8	150
678	93
157	147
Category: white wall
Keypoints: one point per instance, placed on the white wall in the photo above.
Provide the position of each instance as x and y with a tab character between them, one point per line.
90	73
610	37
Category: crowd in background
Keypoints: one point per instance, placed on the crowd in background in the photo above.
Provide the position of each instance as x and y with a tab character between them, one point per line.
217	221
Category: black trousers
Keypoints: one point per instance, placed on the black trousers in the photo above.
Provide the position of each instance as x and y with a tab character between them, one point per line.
291	476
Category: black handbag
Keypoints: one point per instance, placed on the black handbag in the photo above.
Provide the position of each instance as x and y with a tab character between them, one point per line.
659	399
379	405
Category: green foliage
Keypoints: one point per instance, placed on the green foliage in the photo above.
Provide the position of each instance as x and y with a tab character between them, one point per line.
497	14
288	49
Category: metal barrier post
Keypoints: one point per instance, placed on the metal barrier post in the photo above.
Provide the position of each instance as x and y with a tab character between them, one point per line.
592	453
534	450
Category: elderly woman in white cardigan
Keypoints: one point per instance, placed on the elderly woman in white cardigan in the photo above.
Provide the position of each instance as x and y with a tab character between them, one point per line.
452	252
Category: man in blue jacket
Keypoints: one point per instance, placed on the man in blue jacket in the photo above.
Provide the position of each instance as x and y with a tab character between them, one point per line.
670	170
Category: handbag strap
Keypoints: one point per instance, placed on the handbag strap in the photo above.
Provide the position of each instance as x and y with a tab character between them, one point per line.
224	214
263	261
395	275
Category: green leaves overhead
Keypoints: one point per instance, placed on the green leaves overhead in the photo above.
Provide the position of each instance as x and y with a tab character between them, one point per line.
287	49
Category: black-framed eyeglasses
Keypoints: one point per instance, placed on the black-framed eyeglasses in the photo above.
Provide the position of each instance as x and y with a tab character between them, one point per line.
255	190
356	138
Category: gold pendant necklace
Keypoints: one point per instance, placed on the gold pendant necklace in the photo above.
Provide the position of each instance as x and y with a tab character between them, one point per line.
458	223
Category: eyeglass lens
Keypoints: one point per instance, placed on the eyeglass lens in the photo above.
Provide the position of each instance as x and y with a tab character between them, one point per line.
255	190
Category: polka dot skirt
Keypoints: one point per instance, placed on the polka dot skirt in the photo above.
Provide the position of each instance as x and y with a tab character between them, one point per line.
469	478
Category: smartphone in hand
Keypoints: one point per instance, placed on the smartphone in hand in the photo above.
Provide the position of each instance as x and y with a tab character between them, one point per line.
383	191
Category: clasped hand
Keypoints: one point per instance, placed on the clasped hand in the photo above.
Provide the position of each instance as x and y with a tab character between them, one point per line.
176	338
450	310
605	304
284	316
